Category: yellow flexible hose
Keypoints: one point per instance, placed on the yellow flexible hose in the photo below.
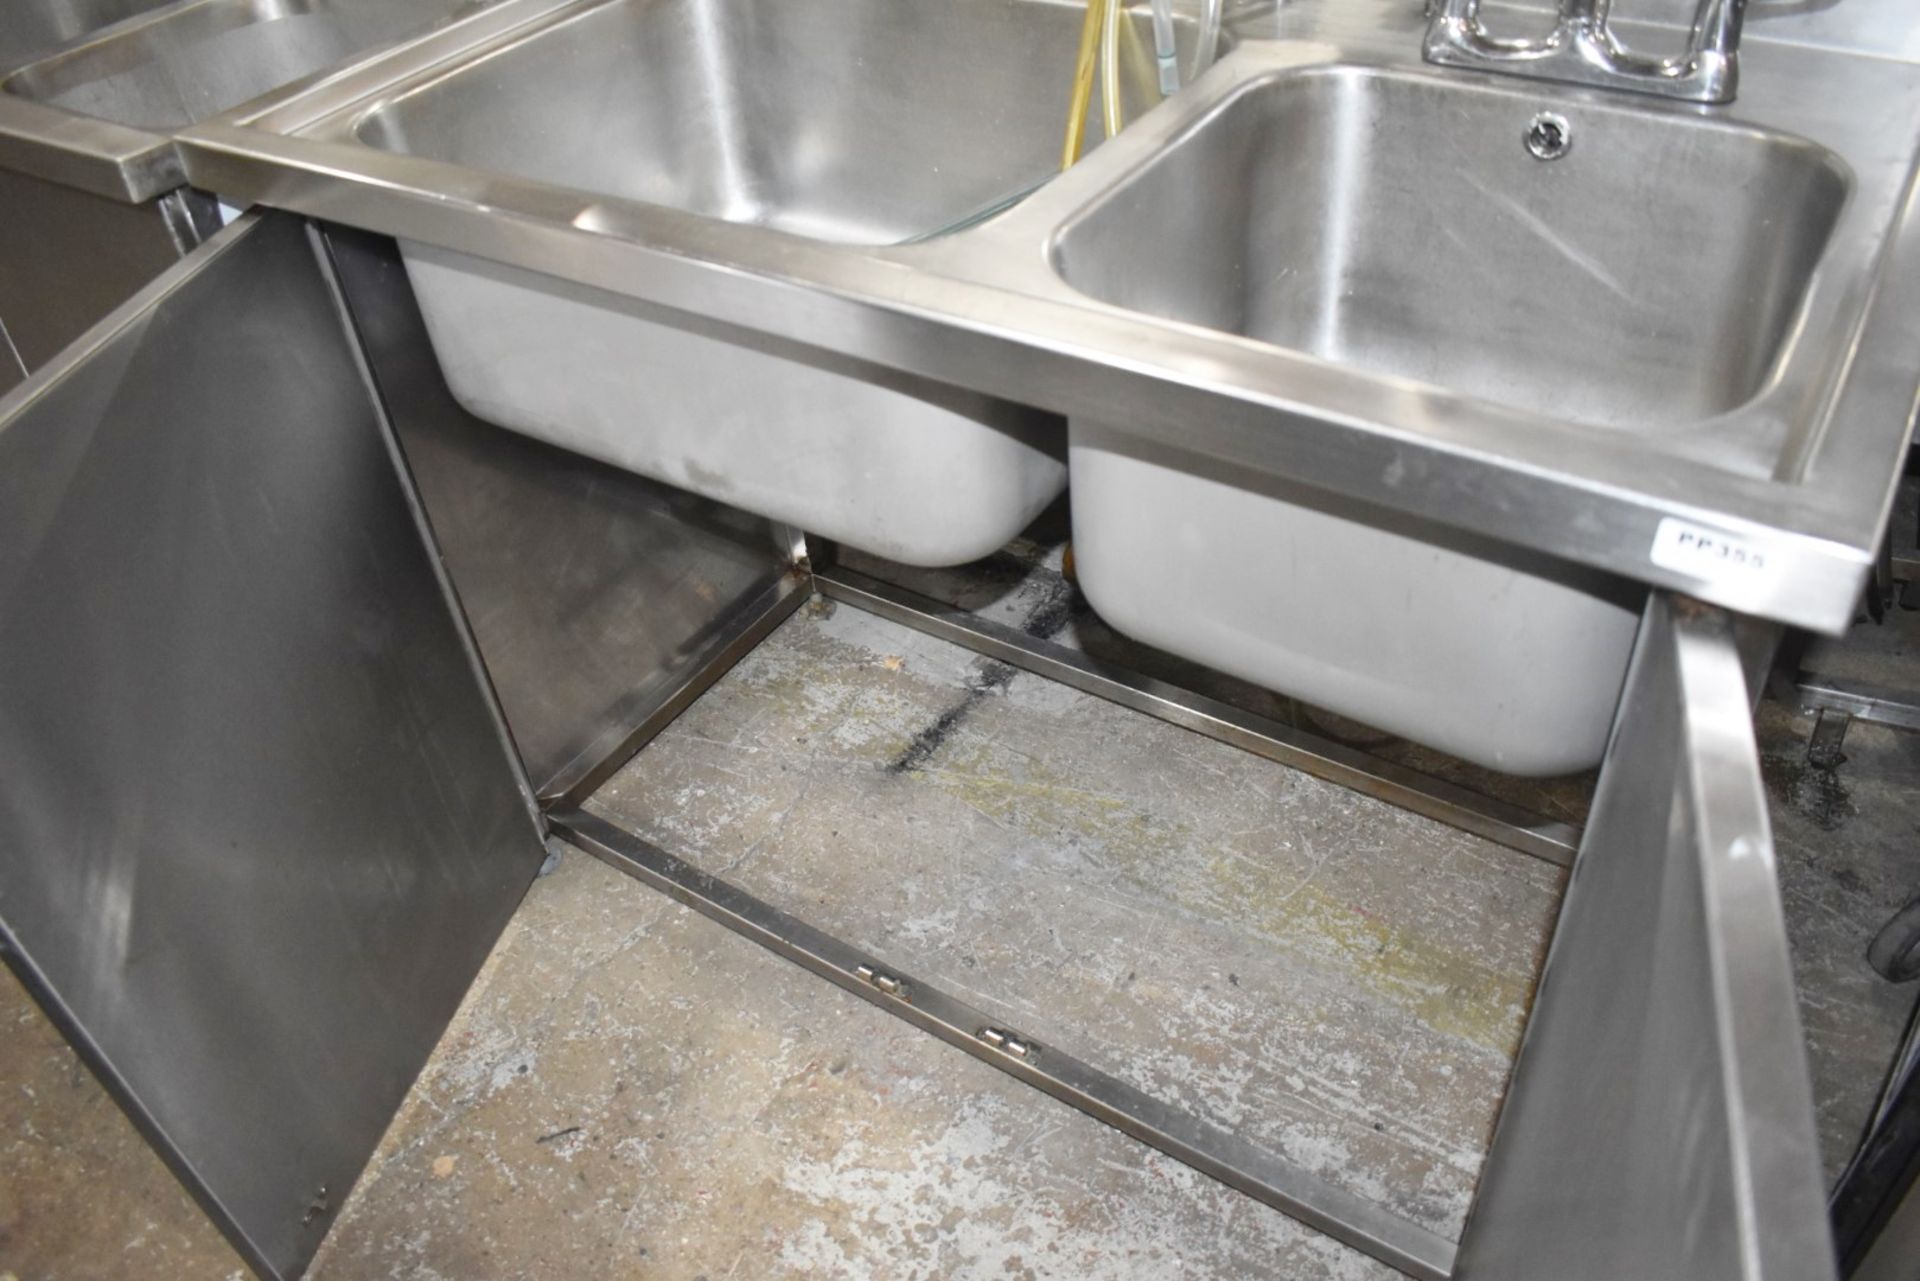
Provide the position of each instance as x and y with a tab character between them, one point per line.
1090	29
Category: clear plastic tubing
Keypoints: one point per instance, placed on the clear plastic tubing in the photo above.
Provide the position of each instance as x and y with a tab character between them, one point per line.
1209	42
1164	53
1115	117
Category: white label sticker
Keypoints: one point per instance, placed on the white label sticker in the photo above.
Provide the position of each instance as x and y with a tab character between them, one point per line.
1706	553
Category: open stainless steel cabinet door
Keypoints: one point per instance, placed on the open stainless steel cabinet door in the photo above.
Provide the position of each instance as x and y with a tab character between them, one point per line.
1659	1123
260	821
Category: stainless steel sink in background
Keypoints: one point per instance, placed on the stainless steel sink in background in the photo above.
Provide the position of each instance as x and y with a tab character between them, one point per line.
91	92
34	28
97	112
202	58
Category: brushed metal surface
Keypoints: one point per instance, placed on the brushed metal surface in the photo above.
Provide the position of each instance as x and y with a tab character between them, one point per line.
68	257
907	468
259	819
1660	1122
1509	660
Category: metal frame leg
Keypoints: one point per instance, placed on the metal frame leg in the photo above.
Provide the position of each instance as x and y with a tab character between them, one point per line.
1340	1214
1680	757
1827	747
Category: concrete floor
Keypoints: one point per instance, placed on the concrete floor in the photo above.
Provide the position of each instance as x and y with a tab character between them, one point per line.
631	1090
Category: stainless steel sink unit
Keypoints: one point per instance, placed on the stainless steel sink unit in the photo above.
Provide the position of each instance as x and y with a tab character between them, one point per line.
1455	342
90	97
1371	369
1392	385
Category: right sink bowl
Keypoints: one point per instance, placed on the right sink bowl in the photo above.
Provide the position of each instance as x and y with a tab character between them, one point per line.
1459	234
1467	235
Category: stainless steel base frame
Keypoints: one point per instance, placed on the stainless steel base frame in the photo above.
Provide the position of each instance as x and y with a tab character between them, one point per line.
1684	809
1338	1213
1449	803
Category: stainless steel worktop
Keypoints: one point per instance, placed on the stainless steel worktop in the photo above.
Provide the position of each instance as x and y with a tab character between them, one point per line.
1764	488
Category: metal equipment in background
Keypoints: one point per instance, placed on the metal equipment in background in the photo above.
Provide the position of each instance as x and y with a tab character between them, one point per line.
1876	1204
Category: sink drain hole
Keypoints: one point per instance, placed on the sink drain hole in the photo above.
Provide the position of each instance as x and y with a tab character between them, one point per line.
1548	136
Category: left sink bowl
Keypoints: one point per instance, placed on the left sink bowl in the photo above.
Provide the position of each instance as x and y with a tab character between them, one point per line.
847	122
860	122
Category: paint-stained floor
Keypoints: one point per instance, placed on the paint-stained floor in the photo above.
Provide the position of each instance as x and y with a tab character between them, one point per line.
631	1090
